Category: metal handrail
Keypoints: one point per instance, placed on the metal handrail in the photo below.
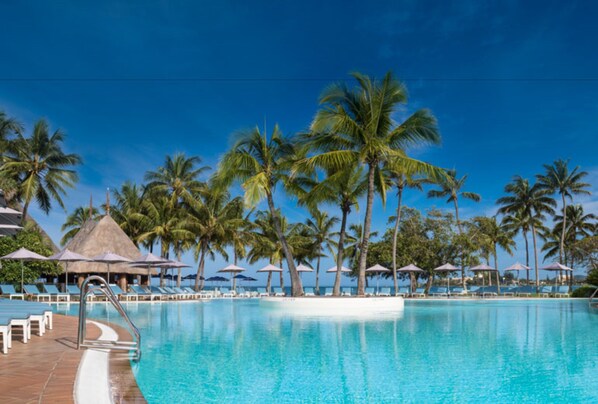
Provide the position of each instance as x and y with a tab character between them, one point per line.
86	289
594	296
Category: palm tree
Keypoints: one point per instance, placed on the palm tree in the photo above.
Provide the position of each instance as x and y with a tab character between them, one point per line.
521	221
342	188
40	167
401	178
164	224
213	220
178	178
355	126
8	127
319	230
128	210
75	221
557	178
260	164
497	235
534	201
450	186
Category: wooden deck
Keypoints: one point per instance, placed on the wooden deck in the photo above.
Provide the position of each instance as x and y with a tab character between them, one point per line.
44	369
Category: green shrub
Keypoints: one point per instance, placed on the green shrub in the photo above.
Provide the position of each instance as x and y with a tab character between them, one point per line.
584	291
593	277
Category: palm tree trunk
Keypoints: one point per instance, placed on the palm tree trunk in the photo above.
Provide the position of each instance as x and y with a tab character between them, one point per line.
281	277
200	267
296	286
269	283
24	213
180	270
366	231
164	249
535	257
496	267
395	234
562	241
526	254
318	276
460	232
336	291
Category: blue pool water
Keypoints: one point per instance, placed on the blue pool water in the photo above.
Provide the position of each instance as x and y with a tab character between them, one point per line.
435	351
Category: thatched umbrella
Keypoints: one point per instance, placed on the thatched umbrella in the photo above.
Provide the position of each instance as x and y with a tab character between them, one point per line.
518	267
67	256
412	269
270	268
110	258
23	254
148	261
377	269
333	269
447	268
232	269
555	266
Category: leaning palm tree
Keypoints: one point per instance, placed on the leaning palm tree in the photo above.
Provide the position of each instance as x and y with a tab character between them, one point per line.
75	221
497	235
534	201
520	220
356	126
319	230
40	167
260	164
559	179
401	178
450	188
178	178
128	210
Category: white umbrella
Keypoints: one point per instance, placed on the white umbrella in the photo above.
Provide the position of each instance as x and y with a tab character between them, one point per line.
67	256
23	254
110	258
555	266
377	269
410	268
233	269
333	269
149	260
447	268
517	267
270	269
304	268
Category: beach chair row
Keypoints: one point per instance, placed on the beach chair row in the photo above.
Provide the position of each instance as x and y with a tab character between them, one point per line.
18	316
489	291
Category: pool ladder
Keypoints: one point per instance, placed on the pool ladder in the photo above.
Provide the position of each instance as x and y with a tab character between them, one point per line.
594	300
86	289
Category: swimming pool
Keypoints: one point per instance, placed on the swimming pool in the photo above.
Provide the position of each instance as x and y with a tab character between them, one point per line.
458	351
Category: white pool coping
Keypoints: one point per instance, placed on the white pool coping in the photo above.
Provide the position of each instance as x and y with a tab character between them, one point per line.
337	306
92	384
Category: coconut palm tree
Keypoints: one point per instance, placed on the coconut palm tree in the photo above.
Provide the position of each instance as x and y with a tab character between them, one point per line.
260	164
75	221
450	187
534	201
342	188
319	231
8	128
497	235
356	126
41	169
213	220
178	178
559	179
128	210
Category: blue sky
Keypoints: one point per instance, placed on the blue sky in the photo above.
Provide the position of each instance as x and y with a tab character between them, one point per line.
512	83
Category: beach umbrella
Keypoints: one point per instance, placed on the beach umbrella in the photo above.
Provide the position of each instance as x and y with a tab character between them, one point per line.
412	269
555	266
232	269
67	256
23	254
303	268
270	269
518	267
447	268
174	265
377	269
486	268
148	261
110	258
10	219
217	279
333	269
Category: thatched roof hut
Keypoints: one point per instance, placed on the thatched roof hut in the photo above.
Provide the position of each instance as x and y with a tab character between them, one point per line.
97	237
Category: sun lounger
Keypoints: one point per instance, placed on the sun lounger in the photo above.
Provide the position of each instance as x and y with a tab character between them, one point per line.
419	292
33	291
10	292
458	291
545	291
262	292
172	293
328	291
309	292
526	290
508	291
183	293
190	292
489	291
370	291
121	294
226	292
561	291
52	290
403	291
141	292
346	292
384	292
279	292
438	291
6	332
